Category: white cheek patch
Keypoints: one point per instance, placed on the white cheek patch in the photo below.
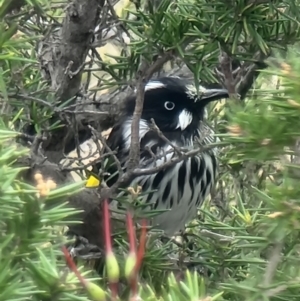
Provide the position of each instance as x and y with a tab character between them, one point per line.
144	128
184	119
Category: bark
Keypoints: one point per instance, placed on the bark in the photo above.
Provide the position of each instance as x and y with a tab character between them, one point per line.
63	56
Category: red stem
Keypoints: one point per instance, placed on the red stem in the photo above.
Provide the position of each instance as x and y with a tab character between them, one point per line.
108	244
107	233
140	252
73	266
131	232
142	245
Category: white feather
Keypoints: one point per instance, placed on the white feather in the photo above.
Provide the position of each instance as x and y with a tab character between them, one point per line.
184	119
192	91
185	208
155	84
144	128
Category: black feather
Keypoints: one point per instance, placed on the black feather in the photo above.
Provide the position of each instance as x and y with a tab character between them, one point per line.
178	112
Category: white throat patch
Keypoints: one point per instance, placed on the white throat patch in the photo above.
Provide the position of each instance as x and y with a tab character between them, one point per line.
184	119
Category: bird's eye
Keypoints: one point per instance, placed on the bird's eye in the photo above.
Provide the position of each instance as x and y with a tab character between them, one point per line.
169	105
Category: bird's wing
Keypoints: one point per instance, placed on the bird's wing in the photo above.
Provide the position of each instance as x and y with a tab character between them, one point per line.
151	145
115	138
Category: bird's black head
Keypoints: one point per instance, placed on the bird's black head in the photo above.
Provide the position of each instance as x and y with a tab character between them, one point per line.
174	104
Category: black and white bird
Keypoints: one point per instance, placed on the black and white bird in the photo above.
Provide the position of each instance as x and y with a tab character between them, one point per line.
178	111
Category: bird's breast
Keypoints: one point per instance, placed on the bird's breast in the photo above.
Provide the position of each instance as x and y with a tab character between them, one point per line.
180	189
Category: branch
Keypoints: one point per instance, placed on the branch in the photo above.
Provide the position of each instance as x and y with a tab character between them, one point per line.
111	191
64	57
274	260
109	151
77	29
143	75
164	138
174	160
134	153
239	79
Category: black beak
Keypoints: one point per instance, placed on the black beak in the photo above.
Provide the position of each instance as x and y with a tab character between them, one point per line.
209	95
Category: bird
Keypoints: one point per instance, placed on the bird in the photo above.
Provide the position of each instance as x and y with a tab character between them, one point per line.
178	109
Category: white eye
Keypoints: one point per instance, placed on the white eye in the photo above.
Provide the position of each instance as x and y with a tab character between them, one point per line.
169	105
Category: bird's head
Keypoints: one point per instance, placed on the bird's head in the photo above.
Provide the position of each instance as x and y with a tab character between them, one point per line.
174	103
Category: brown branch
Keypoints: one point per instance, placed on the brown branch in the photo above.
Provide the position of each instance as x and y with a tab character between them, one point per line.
238	81
134	154
143	75
63	56
78	26
226	67
67	110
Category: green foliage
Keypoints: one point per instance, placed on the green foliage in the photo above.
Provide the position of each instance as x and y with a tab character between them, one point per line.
31	262
247	245
196	30
30	237
270	122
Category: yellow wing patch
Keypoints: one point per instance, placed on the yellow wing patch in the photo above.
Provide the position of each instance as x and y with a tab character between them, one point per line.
92	182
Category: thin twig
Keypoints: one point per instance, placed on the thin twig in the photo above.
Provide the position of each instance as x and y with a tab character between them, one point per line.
134	153
108	192
174	160
109	151
143	75
164	138
272	265
84	166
